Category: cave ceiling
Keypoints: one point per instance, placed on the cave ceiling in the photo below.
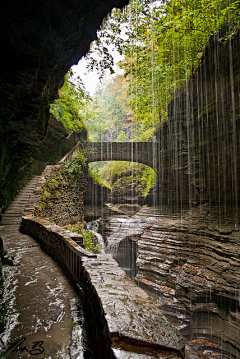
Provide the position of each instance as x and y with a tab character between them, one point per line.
40	41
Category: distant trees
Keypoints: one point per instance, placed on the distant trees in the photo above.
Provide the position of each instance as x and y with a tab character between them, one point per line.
127	178
110	115
162	44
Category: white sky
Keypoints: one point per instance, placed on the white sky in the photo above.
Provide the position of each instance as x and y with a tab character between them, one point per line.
91	79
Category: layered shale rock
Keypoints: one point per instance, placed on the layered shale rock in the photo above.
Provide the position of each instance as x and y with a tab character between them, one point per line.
190	263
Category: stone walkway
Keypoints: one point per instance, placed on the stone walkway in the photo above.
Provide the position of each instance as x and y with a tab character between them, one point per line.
41	303
43	306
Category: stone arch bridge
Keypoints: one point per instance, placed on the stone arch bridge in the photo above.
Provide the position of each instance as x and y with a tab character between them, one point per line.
141	152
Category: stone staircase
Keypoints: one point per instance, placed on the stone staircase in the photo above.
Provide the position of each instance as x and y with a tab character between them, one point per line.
13	215
41	303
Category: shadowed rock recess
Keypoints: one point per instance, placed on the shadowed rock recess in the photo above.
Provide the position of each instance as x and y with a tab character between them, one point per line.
40	41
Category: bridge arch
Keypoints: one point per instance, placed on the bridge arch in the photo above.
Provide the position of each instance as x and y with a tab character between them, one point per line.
140	152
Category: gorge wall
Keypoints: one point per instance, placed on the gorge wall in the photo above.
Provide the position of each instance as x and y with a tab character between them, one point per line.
200	141
189	258
40	41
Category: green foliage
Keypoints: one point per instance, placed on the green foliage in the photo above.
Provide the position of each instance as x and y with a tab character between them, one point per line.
45	195
99	179
53	184
70	106
109	111
88	236
121	137
127	178
162	44
49	188
75	170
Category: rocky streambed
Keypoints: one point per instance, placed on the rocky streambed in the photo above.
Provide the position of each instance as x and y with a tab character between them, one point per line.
189	262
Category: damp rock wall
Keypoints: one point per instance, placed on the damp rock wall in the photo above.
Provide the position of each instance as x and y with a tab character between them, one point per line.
200	142
117	312
40	41
190	263
95	196
57	242
56	198
54	147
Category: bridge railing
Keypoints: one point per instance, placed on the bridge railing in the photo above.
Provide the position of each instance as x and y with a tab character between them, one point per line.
141	152
69	157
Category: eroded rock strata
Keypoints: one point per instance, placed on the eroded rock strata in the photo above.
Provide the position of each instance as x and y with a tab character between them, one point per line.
190	264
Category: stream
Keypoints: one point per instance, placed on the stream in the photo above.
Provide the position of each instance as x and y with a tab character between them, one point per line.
170	257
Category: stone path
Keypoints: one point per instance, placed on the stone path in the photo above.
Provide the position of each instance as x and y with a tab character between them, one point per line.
41	303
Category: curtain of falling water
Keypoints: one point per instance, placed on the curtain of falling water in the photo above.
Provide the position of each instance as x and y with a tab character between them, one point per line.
133	81
216	71
211	152
153	82
234	139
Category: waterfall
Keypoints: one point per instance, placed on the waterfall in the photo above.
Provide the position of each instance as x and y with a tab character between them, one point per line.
183	78
94	226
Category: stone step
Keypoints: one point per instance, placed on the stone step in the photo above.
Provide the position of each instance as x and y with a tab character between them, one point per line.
20	200
19	203
22	197
15	210
13	215
17	207
11	222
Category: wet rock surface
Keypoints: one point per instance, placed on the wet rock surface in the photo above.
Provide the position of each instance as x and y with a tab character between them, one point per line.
40	301
131	315
189	262
42	305
44	316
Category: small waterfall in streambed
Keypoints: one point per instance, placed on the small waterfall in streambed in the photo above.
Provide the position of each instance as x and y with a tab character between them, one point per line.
120	240
94	227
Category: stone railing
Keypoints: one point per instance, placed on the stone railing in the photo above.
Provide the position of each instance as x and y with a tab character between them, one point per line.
69	157
99	303
62	246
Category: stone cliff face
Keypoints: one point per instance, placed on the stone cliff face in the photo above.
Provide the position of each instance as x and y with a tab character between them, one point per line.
200	144
191	265
53	148
57	198
189	259
40	41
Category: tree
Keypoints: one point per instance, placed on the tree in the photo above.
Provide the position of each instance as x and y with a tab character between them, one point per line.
71	103
162	44
109	110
